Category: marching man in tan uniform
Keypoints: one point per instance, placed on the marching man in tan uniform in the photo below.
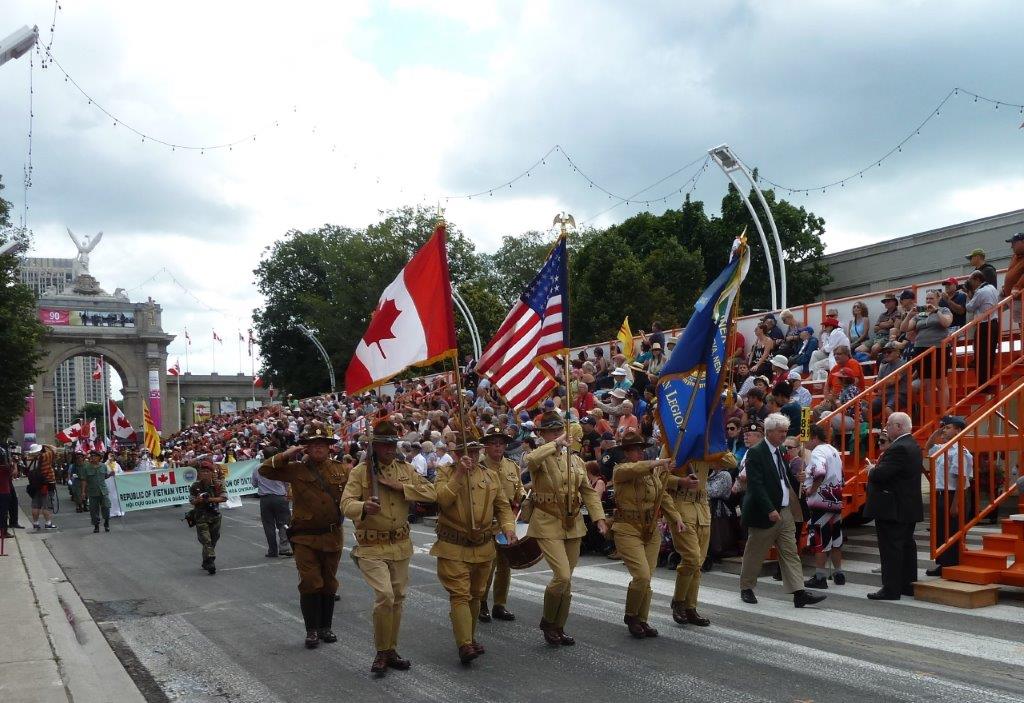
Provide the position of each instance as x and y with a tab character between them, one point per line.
494	442
376	499
469	498
555	519
691	500
640	495
316	534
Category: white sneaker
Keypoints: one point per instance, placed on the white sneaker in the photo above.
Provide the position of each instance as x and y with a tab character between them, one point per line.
51	526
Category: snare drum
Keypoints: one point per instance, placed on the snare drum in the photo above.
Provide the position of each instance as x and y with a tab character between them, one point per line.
522	555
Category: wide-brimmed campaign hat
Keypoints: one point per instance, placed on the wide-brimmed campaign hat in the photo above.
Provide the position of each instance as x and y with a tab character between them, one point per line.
317	432
551	420
494	433
385	432
632	438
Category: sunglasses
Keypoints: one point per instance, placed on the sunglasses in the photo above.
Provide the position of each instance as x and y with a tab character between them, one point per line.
731	428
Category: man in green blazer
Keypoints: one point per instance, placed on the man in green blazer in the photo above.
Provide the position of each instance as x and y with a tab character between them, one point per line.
771	509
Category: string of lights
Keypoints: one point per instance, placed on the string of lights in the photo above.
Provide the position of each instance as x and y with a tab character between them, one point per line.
898	148
184	289
692	180
174	146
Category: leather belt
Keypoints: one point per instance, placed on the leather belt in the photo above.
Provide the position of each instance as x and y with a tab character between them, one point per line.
463	539
382	536
333	527
689	496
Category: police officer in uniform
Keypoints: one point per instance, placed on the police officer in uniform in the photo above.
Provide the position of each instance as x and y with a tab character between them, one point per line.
640	495
470	498
495	442
377	499
316	532
690	494
556	522
206	494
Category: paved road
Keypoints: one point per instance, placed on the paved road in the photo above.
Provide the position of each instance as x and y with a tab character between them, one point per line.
237	636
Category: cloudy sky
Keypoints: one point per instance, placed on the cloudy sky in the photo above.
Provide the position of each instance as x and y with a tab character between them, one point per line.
380	104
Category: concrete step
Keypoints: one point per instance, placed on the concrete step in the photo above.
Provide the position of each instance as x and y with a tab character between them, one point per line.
956	593
972	574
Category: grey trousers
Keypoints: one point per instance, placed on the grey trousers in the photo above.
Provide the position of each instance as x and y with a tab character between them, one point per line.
276	515
783	535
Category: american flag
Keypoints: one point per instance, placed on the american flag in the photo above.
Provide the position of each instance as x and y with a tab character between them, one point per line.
522	359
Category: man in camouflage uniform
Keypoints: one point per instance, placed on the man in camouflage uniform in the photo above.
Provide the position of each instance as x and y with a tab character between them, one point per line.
93	477
206	494
376	499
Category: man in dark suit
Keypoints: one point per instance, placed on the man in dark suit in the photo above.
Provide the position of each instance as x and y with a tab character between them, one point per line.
894	501
771	509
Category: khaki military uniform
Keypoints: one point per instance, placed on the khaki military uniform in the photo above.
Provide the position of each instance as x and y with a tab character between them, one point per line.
512	487
316	531
639	498
692	545
464	548
383	548
556	521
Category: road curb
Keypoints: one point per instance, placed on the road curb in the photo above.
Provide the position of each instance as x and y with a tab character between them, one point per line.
90	670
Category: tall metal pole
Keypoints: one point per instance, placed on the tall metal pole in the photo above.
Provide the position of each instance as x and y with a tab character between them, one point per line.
730	163
320	348
563	220
467	315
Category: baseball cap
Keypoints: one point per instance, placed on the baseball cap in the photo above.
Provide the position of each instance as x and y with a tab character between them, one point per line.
794	375
1019	237
889	296
954	420
808	329
976	252
907	295
951	281
754	425
588	421
890	346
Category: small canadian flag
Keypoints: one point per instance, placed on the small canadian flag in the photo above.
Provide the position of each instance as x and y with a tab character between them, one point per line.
162	479
97	372
175	370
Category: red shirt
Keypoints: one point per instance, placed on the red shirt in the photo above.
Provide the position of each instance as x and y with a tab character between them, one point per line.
835	385
584	403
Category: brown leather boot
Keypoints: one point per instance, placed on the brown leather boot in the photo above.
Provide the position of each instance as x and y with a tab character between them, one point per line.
633	623
648	630
694	618
550	631
679	612
467	653
479	648
380	663
564	639
397	662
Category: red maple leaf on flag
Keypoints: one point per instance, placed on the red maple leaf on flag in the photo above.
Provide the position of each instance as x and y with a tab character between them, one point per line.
380	325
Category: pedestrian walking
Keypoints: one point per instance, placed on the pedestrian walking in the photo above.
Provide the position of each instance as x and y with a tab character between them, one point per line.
275	513
93	477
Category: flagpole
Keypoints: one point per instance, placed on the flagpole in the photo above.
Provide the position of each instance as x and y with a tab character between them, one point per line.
563	220
213	348
239	352
462	426
106	404
188	343
178	377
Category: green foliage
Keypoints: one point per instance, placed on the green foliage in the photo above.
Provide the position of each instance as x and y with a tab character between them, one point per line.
20	331
649	267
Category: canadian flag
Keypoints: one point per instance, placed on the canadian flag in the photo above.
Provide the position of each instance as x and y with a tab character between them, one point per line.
187	338
258	382
175	370
164	478
272	392
413	324
119	423
97	372
70	434
217	338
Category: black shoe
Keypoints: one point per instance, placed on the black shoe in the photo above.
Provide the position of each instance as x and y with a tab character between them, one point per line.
312	639
777	576
211	568
500	612
908	592
270	554
937	571
802	598
286	553
327	635
816	582
96	527
485	613
336	597
326	618
747	596
18	527
106	525
839	578
883	594
706	566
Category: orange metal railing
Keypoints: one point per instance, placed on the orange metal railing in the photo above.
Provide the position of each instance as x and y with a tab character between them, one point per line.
978	470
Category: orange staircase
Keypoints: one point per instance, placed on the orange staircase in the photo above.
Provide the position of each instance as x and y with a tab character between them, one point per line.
944	381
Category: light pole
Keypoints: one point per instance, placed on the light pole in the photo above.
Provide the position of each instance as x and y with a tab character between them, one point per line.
17	44
730	164
320	348
474	332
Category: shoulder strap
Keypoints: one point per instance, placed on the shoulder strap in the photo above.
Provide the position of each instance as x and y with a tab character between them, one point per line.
323	486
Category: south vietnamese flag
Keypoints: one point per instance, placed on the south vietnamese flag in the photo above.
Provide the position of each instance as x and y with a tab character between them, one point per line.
161	478
413	324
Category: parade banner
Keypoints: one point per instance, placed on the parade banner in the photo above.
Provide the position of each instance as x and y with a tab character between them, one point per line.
142	490
86	318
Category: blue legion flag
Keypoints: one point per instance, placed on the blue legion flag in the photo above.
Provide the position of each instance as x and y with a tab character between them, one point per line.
689	392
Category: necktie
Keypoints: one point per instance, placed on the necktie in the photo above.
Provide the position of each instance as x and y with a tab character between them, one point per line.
780	465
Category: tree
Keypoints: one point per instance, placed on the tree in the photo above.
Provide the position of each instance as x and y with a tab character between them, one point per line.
20	330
